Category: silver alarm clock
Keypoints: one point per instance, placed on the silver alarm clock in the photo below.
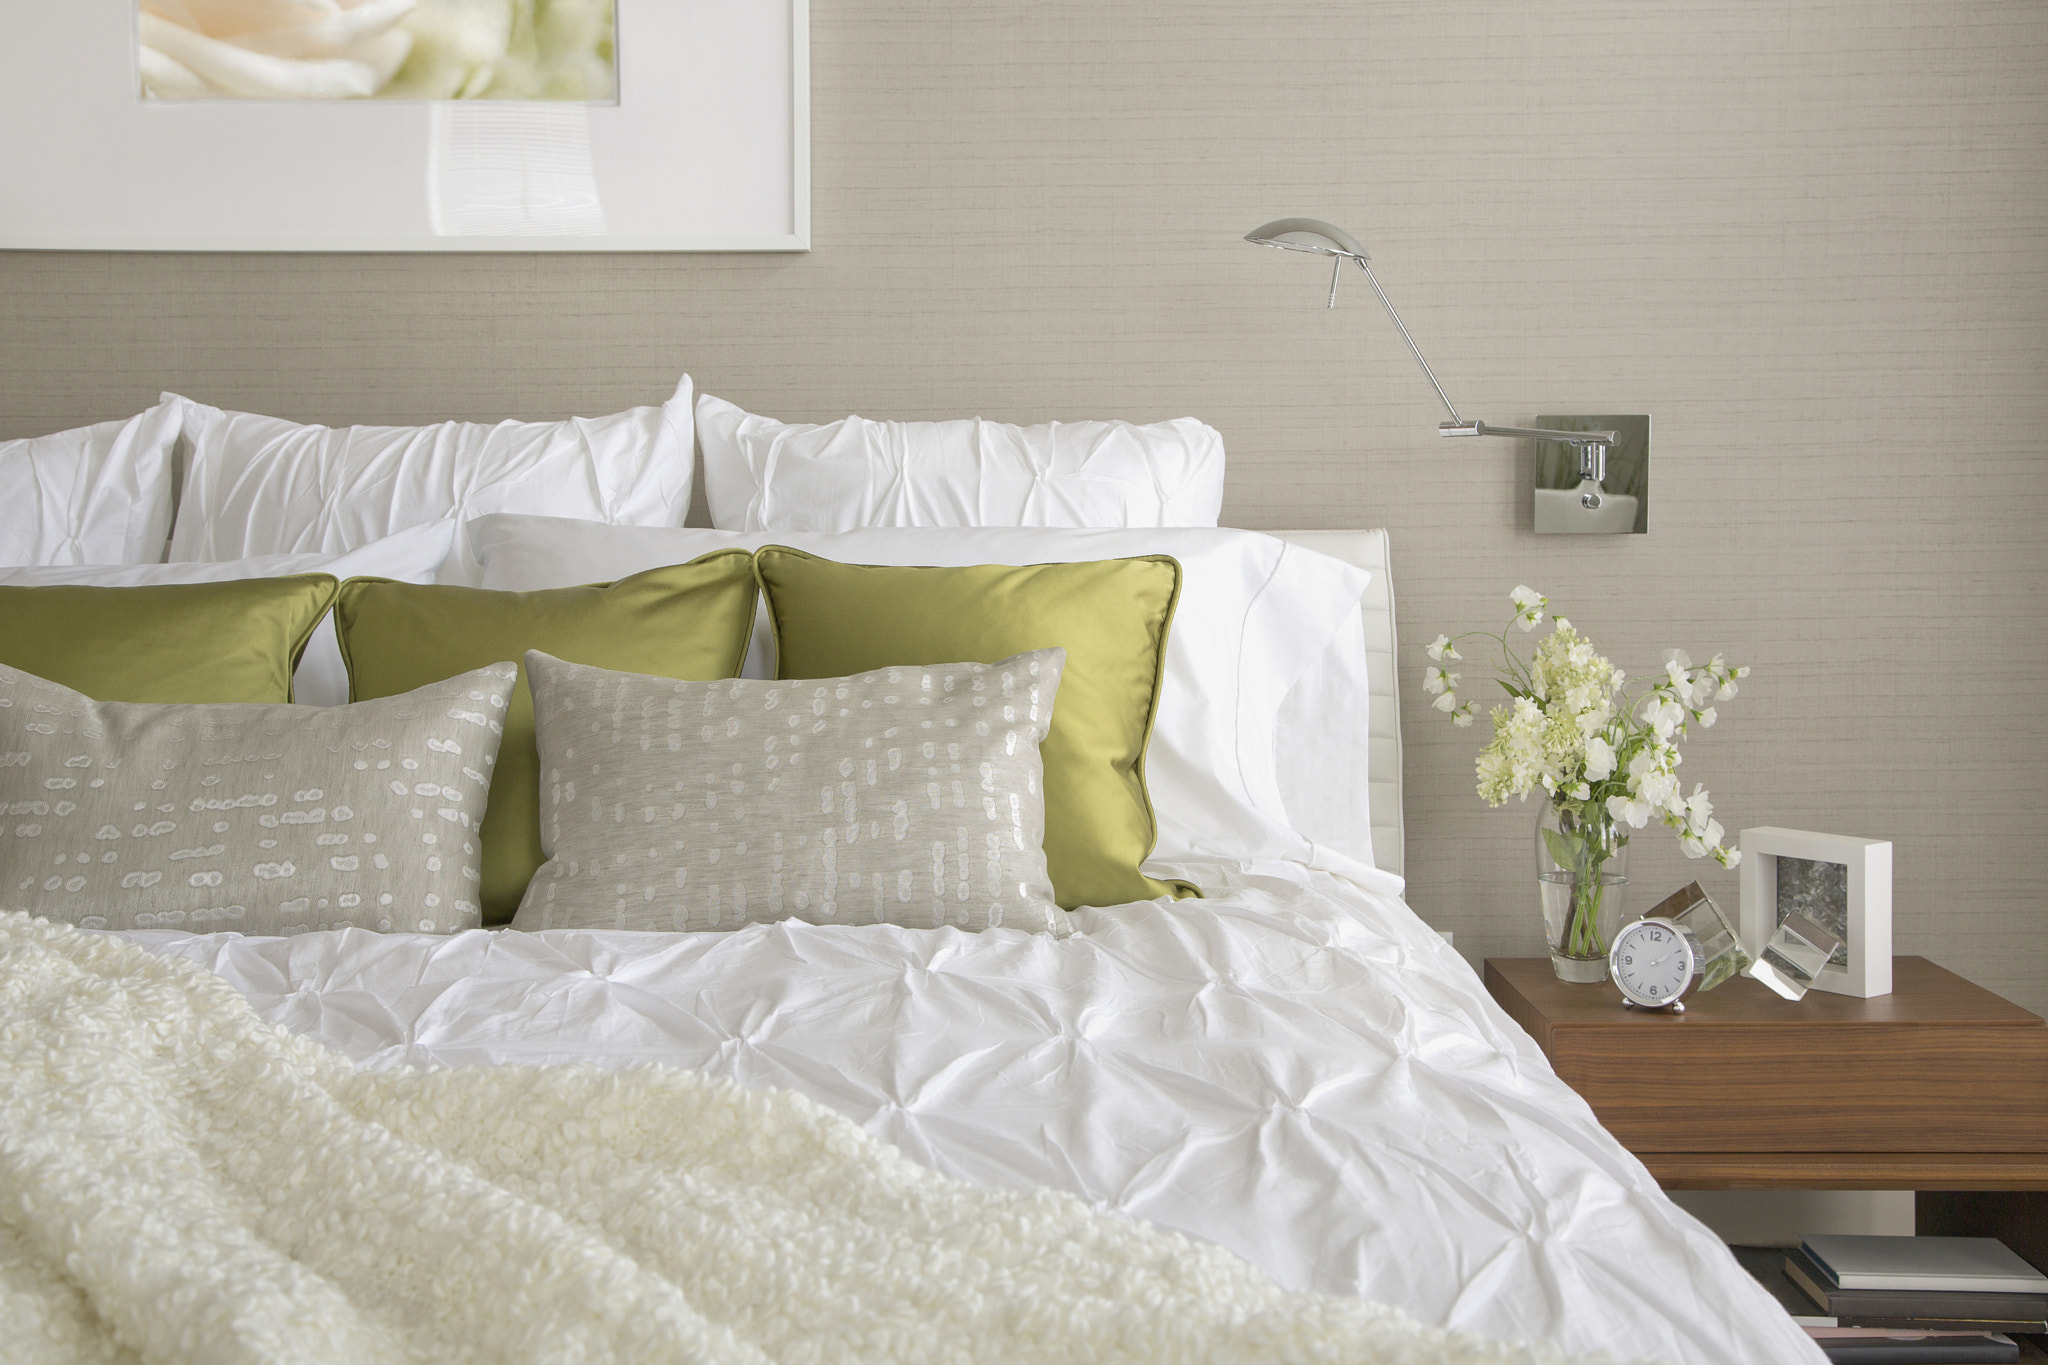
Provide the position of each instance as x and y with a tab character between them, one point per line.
1654	961
1684	943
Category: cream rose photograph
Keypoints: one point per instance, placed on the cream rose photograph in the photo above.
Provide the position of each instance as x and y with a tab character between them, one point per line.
559	50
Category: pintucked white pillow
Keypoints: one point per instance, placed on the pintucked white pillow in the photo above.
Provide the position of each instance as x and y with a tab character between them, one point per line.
765	475
263	486
92	495
321	679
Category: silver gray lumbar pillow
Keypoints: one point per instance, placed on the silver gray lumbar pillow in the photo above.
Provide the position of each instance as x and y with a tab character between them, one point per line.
910	795
260	819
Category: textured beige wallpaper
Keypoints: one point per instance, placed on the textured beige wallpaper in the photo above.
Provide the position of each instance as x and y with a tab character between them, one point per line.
1810	237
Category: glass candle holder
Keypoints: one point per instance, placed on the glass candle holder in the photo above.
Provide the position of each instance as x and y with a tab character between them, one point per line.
1793	956
1718	946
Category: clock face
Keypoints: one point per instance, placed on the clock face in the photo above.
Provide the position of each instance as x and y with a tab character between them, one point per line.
1652	963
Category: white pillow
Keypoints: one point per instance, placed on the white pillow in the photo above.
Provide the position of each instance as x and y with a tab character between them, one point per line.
321	679
764	475
1256	616
92	495
264	486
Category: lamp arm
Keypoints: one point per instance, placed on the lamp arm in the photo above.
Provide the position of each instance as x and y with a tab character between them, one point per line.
1591	445
1403	330
1577	438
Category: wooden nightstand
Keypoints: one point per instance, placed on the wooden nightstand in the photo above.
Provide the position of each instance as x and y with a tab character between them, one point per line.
1940	1087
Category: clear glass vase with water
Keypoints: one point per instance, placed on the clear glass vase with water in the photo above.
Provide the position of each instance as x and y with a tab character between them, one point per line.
1582	879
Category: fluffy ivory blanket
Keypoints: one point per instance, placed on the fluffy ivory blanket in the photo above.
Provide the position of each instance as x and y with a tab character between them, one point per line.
180	1181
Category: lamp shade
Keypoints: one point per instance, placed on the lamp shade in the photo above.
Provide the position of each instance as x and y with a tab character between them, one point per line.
1307	234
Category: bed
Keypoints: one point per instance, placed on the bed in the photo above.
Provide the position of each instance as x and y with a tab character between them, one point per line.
1291	1066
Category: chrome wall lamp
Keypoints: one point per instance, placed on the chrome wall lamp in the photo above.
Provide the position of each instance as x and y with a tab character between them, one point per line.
1592	446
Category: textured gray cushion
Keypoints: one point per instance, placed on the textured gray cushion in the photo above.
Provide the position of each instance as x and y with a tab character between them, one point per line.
258	818
908	796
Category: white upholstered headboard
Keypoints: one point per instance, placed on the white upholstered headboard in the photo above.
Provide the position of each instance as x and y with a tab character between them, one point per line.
1369	550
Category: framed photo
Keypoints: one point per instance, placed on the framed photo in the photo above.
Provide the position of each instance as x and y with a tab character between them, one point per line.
406	125
1842	884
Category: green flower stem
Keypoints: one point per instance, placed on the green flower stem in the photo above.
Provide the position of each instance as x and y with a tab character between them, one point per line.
1582	846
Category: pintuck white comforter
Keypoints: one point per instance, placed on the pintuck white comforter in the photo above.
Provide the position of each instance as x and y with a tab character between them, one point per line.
1295	1068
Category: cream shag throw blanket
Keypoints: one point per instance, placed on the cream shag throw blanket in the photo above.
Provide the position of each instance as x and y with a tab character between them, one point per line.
180	1181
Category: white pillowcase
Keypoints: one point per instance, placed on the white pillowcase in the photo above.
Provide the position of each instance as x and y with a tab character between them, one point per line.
321	679
1256	615
92	495
263	486
764	475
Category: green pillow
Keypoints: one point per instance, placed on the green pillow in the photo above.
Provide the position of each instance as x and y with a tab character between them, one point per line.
684	621
166	642
1111	616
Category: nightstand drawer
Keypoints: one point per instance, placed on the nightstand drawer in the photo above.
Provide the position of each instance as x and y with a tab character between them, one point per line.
1940	1065
1875	1089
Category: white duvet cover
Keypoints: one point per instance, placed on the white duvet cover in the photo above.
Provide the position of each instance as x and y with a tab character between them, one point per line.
1295	1068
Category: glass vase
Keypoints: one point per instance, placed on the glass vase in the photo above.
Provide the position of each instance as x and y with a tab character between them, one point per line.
1582	879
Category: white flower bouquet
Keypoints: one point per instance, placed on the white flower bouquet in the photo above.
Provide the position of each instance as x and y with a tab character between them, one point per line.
1604	755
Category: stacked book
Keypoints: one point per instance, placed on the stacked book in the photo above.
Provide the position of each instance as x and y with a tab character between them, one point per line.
1915	1300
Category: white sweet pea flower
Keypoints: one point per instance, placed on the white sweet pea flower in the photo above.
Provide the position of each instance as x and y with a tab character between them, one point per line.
1634	814
1728	857
1707	718
1680	679
1447	702
1599	759
1440	649
1692	846
1582	792
1462	717
1437	680
1529	605
1659	791
1663	716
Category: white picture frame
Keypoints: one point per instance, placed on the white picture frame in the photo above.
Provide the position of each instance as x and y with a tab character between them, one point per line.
1865	922
707	148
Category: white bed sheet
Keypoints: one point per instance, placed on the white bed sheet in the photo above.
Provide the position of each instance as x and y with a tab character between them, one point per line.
1295	1067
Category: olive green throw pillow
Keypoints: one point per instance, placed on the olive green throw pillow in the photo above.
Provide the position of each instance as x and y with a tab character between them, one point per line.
1112	618
170	643
689	621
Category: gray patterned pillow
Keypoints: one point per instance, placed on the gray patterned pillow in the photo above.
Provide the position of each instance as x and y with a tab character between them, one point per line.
908	796
257	818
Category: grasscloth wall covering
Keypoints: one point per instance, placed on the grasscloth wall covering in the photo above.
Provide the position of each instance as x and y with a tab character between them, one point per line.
1811	238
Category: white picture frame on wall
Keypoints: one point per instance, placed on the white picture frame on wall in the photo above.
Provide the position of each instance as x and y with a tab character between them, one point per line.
706	148
1855	903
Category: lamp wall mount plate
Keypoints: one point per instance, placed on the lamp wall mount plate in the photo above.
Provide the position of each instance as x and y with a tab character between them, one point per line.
1571	500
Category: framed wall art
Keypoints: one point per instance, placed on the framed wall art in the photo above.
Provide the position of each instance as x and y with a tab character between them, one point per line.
1842	884
406	125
